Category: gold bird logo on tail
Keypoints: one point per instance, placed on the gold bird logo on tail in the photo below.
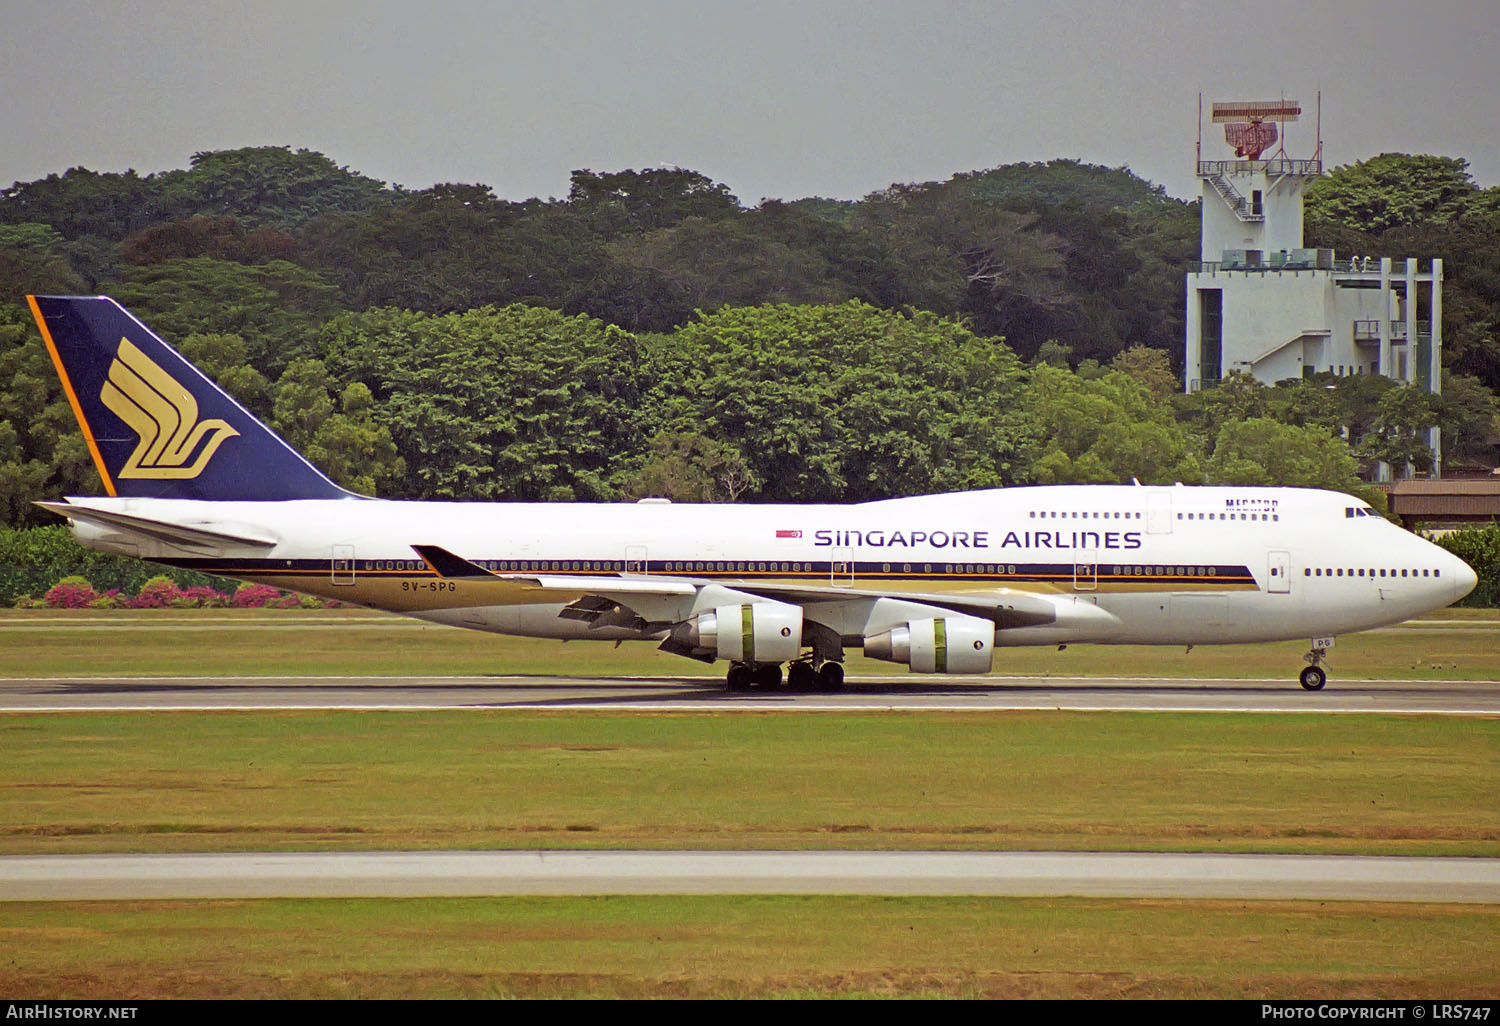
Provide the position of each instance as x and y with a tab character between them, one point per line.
163	414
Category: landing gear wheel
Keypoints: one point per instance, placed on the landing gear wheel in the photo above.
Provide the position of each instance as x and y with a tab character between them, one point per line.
1313	678
831	677
801	677
740	677
768	675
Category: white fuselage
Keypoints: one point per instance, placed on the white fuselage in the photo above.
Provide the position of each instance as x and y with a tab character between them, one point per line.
1118	564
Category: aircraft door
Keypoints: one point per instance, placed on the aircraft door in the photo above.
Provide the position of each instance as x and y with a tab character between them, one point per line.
1158	512
1279	573
341	564
841	568
635	559
1086	570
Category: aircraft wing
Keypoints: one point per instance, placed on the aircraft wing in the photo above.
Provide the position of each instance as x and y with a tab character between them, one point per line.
609	601
446	564
636	603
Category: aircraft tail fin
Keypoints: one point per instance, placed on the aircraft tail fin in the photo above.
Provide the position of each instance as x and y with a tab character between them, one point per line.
156	426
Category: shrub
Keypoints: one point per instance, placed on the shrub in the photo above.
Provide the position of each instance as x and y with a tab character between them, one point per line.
71	593
157	593
1480	548
253	596
199	597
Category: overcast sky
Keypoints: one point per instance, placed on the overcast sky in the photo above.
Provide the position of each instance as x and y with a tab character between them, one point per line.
774	99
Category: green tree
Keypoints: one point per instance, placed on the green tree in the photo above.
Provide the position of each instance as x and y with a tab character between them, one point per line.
1470	419
509	403
42	452
685	466
223	238
267	185
222	358
1398	434
274	307
352	446
1105	430
847	403
1480	548
636	202
961	255
1150	367
1263	452
1392	190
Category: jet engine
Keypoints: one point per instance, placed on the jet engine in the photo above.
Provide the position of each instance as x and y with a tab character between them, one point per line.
950	644
756	632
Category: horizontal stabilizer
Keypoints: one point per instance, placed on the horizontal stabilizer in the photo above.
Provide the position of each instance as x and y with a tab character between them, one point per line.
195	536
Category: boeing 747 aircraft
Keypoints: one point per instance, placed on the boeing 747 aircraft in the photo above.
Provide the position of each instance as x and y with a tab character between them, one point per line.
937	582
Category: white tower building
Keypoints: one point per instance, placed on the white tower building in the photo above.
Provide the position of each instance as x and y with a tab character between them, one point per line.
1261	303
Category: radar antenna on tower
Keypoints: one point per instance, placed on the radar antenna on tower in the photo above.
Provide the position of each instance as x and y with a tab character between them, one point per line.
1250	125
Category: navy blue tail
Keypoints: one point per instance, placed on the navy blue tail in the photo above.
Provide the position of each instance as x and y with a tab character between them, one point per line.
155	425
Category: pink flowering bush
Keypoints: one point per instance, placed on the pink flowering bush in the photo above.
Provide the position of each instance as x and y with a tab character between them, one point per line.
157	593
253	596
200	597
162	592
71	593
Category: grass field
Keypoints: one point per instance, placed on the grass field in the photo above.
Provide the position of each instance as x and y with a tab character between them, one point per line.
749	947
80	782
487	778
1456	644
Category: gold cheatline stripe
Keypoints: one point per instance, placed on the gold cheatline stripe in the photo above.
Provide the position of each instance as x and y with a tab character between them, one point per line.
62	373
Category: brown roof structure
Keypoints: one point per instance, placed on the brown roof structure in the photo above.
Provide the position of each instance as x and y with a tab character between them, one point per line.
1446	501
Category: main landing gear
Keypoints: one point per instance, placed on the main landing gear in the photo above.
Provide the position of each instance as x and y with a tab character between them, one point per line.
800	676
1313	676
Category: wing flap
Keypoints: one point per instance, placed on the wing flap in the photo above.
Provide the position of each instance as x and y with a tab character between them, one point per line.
1007	609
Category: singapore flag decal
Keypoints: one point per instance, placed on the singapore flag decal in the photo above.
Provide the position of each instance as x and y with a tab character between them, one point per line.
788	534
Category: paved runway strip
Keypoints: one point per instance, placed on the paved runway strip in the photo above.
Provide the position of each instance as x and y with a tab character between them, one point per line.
704	694
413	874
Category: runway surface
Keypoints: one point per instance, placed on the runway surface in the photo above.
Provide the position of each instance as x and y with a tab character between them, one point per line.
705	694
429	874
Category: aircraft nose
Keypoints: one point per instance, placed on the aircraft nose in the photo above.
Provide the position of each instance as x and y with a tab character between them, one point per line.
1464	578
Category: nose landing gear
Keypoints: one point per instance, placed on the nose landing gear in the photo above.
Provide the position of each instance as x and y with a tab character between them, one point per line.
1313	676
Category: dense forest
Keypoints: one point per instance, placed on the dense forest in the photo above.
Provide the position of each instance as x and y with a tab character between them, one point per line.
650	334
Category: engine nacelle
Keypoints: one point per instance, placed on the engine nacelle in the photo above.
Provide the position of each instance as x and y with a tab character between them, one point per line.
951	644
756	632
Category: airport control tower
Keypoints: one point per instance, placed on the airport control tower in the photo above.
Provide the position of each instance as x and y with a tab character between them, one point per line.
1261	303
